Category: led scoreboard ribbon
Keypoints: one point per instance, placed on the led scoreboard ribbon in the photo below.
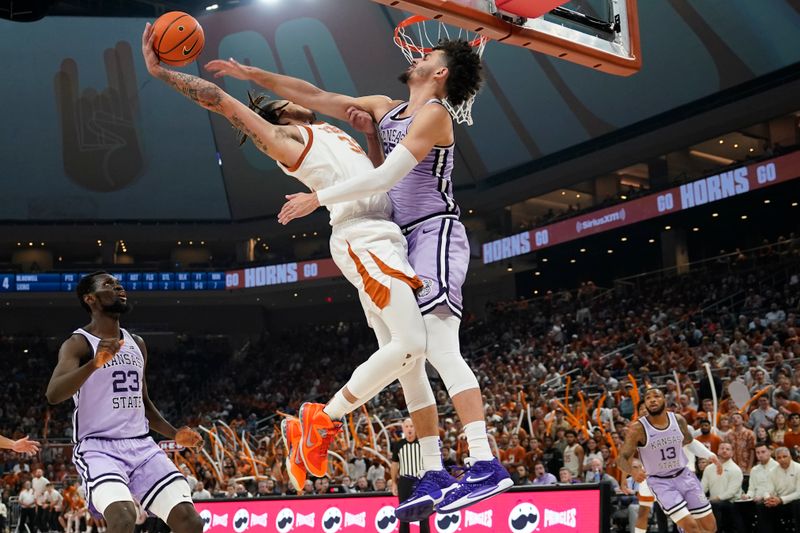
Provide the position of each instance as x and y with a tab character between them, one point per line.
132	281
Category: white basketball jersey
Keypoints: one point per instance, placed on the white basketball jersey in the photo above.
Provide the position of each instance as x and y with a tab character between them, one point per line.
331	156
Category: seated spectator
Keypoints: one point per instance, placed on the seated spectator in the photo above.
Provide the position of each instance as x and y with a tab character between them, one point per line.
542	477
379	485
520	475
723	489
781	507
200	492
763	415
565	476
778	432
596	474
707	437
791	439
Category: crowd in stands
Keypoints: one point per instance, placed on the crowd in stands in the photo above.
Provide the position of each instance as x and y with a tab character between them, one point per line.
561	377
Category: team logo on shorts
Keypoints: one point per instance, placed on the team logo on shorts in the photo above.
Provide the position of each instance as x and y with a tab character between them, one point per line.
385	520
425	290
332	520
448	523
284	520
241	520
524	518
205	516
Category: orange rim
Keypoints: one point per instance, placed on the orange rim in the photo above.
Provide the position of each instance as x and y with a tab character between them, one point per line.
419	19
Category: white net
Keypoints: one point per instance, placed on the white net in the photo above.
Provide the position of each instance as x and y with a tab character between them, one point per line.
417	36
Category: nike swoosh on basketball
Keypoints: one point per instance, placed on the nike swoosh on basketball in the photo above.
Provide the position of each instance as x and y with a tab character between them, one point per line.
189	51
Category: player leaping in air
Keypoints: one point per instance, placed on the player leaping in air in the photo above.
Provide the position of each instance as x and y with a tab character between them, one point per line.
419	143
366	245
660	437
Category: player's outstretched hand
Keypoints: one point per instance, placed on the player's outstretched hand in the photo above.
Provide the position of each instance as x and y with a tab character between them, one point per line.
148	52
26	446
188	438
230	67
714	459
106	350
360	120
299	205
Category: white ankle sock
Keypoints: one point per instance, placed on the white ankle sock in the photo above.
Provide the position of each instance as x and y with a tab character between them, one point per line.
477	441
338	407
431	453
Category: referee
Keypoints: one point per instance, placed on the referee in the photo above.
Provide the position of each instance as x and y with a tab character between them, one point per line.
407	461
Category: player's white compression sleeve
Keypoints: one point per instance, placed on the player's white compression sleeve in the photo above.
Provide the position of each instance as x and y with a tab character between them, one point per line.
396	166
699	450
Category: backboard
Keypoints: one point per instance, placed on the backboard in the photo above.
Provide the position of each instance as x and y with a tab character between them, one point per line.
599	34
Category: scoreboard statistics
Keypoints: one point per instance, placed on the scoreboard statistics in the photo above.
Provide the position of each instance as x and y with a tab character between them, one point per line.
132	281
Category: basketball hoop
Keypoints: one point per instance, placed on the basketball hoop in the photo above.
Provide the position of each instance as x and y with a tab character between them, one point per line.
417	36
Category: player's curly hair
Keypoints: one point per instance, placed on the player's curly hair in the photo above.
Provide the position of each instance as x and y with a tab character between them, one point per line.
267	109
86	286
465	71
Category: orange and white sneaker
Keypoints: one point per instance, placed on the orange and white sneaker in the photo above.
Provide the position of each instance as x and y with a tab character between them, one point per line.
318	433
292	435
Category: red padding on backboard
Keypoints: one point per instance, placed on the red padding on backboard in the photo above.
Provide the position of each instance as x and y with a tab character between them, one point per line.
531	9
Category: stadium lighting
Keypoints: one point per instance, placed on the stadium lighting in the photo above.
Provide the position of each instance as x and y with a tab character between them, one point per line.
510	268
794	204
537	273
667	228
571	260
544	259
623	197
744	217
695	229
583	250
721	141
736	146
715	215
610	251
651	241
563	193
766	201
212	7
624	239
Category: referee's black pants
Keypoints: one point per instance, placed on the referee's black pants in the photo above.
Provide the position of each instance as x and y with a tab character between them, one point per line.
404	487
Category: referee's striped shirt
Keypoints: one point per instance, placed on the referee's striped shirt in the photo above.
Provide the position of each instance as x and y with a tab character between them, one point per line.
409	455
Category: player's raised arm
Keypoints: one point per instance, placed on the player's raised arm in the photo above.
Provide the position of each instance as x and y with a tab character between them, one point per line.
695	446
633	439
23	445
300	91
432	125
70	374
281	143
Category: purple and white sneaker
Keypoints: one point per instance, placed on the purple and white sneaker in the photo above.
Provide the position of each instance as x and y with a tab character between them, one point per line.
428	492
482	480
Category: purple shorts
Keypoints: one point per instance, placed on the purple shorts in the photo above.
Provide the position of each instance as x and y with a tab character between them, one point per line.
683	491
438	251
138	463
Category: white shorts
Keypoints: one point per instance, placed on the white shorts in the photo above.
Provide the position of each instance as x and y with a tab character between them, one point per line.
370	252
645	496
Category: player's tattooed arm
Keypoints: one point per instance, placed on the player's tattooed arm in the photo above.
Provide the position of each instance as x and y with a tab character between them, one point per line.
200	91
633	439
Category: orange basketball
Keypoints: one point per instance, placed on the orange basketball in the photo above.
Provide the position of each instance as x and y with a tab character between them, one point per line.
179	38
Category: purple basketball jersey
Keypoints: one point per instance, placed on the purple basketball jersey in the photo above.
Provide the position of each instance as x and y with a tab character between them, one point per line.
662	454
427	191
109	404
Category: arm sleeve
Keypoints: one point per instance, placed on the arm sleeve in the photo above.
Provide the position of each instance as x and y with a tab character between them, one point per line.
377	180
697	448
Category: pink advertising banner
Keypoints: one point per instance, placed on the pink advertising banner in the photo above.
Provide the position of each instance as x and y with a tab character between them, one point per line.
548	511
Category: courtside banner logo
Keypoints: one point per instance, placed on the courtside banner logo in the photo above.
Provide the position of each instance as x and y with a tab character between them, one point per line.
727	184
556	511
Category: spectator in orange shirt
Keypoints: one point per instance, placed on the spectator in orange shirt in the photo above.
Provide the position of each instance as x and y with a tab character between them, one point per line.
687	411
515	454
706	436
791	439
785	405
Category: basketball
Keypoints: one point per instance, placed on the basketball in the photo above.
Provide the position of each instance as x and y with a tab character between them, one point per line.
179	38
